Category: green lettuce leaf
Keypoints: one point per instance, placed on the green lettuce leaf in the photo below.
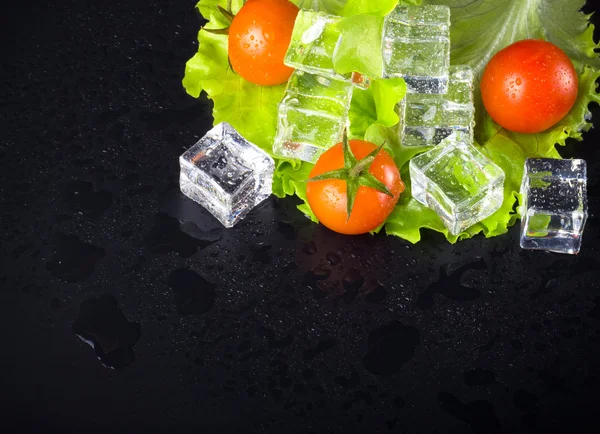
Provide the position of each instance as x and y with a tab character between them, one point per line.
372	117
379	8
409	217
333	7
479	29
252	109
373	112
360	51
249	108
208	9
289	180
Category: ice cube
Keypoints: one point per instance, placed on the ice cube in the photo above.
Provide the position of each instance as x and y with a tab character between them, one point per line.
430	118
314	40
226	174
416	46
554	207
458	182
312	116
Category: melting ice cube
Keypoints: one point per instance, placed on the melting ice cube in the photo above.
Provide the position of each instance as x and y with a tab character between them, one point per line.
314	40
226	174
458	182
416	46
554	207
428	119
312	116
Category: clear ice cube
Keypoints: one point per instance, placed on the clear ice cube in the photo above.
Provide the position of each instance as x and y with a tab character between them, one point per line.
416	47
314	40
430	118
226	174
312	116
458	182
554	208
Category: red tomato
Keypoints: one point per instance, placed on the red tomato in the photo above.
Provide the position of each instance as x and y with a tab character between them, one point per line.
529	86
259	37
328	199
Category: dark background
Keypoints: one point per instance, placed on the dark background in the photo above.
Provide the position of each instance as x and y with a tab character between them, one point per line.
275	326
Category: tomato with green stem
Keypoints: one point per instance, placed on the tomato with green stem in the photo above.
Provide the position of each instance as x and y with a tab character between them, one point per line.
353	187
259	36
529	86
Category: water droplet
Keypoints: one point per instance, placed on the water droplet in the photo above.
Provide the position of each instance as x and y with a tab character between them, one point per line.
310	248
390	346
321	273
353	279
332	258
103	326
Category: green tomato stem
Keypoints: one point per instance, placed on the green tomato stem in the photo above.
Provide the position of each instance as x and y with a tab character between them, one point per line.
355	173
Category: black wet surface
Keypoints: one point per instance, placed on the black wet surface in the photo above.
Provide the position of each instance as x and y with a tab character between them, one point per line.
103	326
274	326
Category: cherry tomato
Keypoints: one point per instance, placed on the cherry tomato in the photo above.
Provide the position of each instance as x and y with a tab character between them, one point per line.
529	86
327	198
259	37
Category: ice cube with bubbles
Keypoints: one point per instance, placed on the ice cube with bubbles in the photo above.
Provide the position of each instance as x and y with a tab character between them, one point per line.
428	119
226	174
458	182
416	47
314	40
312	116
554	209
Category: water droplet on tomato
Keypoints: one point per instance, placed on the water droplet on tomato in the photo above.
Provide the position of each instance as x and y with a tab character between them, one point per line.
513	96
252	37
246	45
519	81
